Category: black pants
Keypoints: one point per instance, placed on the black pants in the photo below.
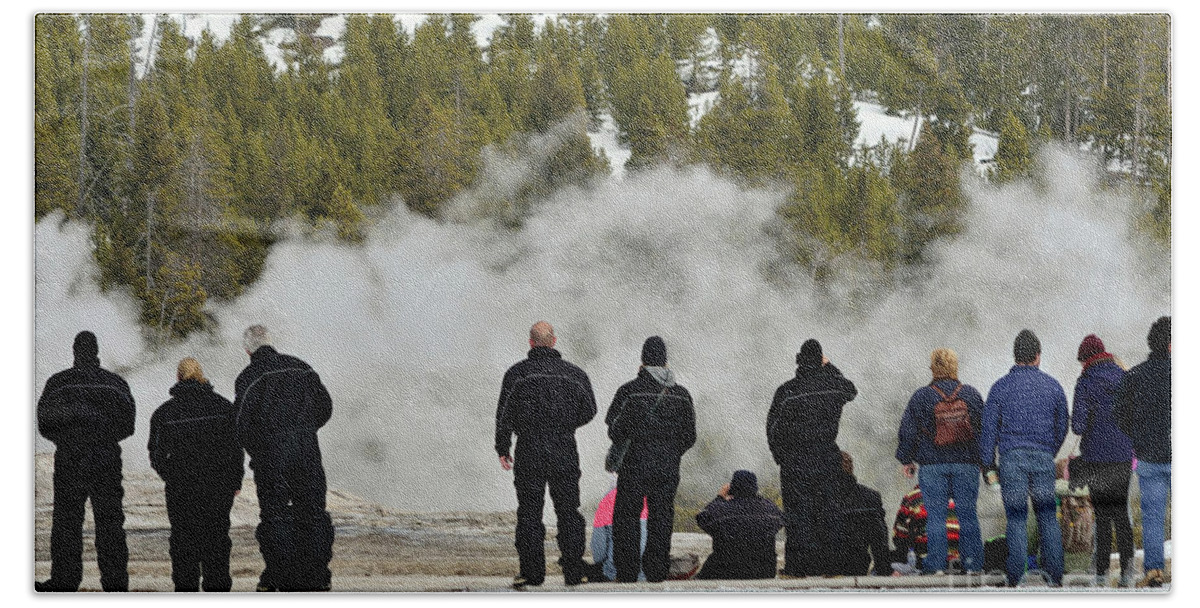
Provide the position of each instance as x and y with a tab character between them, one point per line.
627	529
1109	486
295	532
80	474
812	519
199	541
531	533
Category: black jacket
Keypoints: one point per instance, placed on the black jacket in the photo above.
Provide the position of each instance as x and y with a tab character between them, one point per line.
743	532
658	444
802	424
85	406
1143	408
277	396
543	399
864	534
193	439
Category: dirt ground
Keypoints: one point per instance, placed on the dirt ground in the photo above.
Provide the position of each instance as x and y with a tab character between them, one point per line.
380	550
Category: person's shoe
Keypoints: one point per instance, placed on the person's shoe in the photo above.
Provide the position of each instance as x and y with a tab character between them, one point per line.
785	574
520	582
265	587
1153	578
52	586
1126	580
575	580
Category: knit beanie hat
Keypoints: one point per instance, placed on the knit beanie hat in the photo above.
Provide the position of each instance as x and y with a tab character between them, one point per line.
1090	347
943	362
1026	347
810	354
654	352
744	484
1159	338
86	347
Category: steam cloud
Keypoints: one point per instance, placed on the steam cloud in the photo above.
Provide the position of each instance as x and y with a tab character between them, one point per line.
413	331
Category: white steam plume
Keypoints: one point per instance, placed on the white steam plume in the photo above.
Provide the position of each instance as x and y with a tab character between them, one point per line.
413	330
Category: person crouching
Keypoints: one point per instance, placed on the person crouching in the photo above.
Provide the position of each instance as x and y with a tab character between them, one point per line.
743	526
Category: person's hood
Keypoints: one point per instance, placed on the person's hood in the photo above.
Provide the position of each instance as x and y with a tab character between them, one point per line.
190	387
661	375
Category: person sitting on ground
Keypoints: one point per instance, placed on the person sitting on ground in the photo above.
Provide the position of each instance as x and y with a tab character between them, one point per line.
864	531
743	526
602	539
909	533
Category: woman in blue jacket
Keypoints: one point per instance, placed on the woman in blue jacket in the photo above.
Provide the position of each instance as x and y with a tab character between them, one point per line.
1107	452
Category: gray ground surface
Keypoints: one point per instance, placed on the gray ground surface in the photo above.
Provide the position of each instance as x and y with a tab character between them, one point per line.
380	550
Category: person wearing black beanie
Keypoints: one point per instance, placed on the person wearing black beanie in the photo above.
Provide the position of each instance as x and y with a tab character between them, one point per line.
86	411
656	415
802	429
743	526
1143	411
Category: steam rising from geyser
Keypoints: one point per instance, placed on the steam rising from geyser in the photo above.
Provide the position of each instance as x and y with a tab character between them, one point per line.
413	331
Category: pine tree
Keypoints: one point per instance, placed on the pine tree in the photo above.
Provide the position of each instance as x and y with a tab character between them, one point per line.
1013	159
56	114
931	198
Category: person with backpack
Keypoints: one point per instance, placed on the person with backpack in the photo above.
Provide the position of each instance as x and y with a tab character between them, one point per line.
938	441
653	418
194	448
1025	418
1144	415
1106	453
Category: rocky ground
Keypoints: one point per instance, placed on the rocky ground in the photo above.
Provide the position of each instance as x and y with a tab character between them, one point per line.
378	549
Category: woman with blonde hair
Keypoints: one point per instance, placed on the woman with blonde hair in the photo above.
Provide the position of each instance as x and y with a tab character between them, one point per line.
194	448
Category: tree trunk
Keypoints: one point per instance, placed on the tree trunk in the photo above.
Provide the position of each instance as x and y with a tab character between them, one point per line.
842	46
83	120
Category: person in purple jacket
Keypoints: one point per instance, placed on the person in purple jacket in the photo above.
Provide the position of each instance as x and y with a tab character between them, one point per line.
1107	452
1026	418
946	471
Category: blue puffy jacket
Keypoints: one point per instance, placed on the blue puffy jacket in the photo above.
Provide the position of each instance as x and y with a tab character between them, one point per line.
1025	409
1092	414
918	425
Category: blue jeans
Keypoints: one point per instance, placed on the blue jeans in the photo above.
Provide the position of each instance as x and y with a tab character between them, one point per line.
602	550
939	483
1154	481
1029	474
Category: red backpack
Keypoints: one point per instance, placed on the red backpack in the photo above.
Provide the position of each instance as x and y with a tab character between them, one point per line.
952	419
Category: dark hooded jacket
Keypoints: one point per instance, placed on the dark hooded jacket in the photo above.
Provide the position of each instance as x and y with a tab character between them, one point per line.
193	439
863	534
543	399
660	442
278	396
1092	416
743	530
86	406
802	424
1144	408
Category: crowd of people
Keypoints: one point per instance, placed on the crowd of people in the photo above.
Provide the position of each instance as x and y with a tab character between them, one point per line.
949	436
197	439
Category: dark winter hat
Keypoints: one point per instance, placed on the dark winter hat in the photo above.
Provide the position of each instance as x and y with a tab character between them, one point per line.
86	346
744	484
1090	347
810	354
654	352
1026	347
1159	338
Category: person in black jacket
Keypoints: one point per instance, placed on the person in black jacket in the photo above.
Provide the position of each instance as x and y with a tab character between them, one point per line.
1143	412
651	466
864	547
743	526
281	403
543	399
802	428
193	447
86	411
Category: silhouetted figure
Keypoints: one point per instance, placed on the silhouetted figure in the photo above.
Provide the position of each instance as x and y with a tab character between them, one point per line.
193	447
86	411
281	403
743	526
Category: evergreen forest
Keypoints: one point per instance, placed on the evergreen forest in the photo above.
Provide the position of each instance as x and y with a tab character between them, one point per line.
184	155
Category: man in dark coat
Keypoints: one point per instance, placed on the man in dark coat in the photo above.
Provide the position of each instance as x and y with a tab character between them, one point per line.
1143	412
86	411
651	466
281	403
802	428
543	399
193	447
864	546
743	526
